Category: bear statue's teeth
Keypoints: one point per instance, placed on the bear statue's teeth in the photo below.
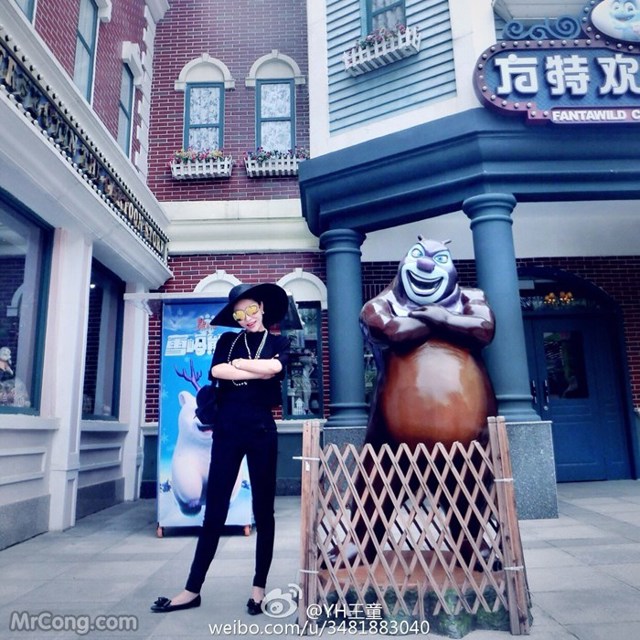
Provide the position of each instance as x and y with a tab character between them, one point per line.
424	287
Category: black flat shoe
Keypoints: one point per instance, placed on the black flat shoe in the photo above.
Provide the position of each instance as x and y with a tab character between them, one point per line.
253	607
163	605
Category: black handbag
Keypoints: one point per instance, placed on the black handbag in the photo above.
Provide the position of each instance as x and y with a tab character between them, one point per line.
207	401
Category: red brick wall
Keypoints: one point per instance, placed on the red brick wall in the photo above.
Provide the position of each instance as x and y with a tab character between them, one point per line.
236	32
126	25
56	22
250	267
616	276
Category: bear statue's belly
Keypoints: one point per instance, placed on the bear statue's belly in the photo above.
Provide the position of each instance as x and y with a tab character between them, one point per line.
437	392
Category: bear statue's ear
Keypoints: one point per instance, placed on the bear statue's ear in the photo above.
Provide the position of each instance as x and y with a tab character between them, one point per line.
421	238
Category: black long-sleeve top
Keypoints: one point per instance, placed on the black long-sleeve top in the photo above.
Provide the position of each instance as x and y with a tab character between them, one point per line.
238	402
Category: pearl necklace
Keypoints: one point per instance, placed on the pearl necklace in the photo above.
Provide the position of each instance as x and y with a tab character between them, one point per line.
246	344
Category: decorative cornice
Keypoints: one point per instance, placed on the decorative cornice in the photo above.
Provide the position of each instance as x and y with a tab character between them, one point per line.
131	56
157	9
25	88
105	7
237	226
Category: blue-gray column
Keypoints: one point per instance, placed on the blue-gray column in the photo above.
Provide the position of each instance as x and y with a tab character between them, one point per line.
346	355
506	356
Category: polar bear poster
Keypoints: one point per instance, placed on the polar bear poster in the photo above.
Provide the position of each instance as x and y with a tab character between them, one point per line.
184	447
191	456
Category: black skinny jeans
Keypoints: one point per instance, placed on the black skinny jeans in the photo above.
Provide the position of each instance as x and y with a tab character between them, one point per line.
260	445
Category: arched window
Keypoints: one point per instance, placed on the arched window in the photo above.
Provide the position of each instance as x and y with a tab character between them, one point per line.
217	285
204	81
274	77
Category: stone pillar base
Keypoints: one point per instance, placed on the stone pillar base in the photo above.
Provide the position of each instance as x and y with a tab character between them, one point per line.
341	436
534	469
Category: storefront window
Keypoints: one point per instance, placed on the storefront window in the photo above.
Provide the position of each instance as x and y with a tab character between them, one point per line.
303	379
104	333
25	252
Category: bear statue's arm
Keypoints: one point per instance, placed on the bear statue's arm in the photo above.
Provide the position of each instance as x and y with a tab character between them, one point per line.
383	324
474	325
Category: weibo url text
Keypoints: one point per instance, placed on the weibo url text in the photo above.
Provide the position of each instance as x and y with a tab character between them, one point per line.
352	627
80	624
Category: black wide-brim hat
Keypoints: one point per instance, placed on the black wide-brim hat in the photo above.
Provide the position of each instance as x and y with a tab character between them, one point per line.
273	296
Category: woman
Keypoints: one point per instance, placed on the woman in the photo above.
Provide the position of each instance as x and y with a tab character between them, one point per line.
248	366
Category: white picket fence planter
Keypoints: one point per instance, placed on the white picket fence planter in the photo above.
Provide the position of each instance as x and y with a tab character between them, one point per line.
272	167
358	60
192	170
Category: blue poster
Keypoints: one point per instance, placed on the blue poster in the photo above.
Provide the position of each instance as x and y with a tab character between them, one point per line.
184	449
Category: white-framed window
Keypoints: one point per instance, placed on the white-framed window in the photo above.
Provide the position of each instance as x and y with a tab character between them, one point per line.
204	116
125	109
275	77
384	14
28	8
86	41
204	81
275	115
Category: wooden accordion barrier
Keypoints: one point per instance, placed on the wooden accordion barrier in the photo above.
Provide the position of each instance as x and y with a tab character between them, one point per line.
412	535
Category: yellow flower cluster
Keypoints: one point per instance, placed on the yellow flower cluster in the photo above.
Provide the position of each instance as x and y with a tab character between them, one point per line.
564	297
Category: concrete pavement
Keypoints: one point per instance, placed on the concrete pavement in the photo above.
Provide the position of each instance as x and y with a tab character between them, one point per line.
583	571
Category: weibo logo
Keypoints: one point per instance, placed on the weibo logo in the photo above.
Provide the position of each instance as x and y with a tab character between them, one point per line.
619	19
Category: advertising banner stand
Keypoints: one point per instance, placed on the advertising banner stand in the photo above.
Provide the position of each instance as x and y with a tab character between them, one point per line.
184	449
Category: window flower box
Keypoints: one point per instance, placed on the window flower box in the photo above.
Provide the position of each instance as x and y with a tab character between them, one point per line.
380	48
261	163
275	167
188	164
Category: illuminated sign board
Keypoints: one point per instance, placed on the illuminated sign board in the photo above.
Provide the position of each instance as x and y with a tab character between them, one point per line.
581	73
